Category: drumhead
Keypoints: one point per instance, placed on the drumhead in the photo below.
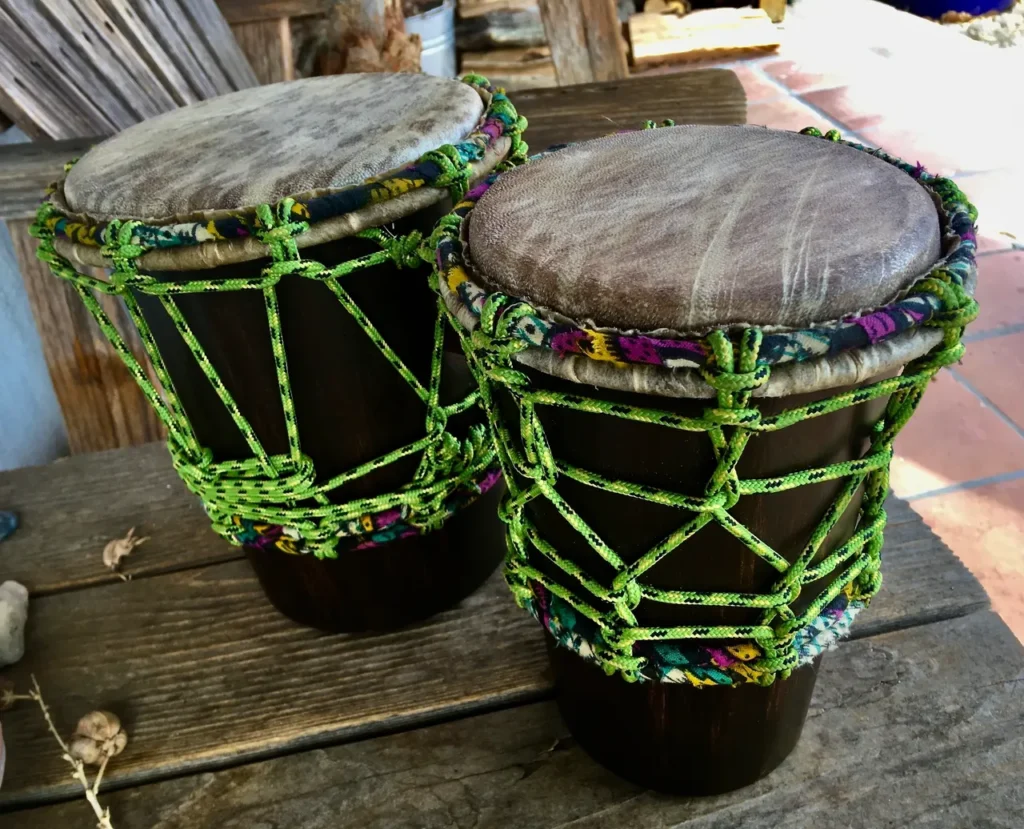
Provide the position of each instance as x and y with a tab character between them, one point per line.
690	228
260	145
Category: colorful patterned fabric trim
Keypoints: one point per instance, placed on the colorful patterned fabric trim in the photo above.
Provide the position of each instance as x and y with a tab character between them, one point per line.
438	168
698	664
917	308
370	530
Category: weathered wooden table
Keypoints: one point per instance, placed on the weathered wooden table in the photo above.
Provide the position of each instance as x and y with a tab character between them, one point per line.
240	718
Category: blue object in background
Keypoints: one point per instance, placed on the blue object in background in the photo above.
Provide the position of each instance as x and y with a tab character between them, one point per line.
936	8
8	524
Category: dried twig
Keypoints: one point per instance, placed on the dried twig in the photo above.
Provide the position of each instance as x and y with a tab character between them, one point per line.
103	820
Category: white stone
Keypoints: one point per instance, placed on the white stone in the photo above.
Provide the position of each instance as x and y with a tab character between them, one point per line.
13	614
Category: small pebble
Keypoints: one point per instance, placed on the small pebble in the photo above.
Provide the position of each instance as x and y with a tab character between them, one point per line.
13	614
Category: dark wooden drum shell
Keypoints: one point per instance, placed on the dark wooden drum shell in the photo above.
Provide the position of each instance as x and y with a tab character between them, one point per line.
351	406
677	737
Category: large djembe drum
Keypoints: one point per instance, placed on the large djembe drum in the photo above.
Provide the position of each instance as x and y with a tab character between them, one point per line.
696	346
266	245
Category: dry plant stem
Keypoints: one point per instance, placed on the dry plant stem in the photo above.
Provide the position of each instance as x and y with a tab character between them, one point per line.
102	815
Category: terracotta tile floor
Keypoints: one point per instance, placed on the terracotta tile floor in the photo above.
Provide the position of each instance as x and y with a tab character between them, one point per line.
960	461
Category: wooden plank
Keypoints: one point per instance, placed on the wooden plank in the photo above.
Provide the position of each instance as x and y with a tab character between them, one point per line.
585	39
207	635
196	44
156	16
907	729
134	63
26	170
250	11
513	68
69	510
704	96
566	32
500	30
775	9
477	8
708	34
195	661
92	496
102	405
82	81
31	84
149	47
214	29
605	45
12	110
108	50
268	46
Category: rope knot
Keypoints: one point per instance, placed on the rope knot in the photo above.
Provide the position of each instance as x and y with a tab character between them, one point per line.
405	250
453	171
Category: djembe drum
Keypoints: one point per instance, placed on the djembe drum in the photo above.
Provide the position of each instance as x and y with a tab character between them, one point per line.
265	244
696	345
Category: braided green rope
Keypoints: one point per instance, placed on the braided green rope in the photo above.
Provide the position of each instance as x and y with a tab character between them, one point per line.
532	472
283	489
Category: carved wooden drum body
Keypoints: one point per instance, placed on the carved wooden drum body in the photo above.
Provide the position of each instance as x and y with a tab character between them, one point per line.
695	346
267	245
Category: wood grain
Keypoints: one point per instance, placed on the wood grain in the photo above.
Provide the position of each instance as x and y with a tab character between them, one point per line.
159	19
102	405
210	25
708	34
268	46
566	33
27	81
197	656
26	170
70	509
146	42
89	88
605	45
250	11
909	729
90	30
703	96
585	39
203	671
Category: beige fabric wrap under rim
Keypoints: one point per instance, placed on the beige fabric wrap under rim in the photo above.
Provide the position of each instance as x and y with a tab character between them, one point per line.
679	230
301	138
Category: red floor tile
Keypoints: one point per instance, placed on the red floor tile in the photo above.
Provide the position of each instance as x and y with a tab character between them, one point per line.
984	527
785	114
995	368
1000	291
945	145
756	85
953	437
800	77
999	197
848	106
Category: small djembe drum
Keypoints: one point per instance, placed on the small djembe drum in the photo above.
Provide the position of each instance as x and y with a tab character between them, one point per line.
266	246
696	346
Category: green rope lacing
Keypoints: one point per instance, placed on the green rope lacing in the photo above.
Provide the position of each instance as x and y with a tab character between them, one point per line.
283	489
734	372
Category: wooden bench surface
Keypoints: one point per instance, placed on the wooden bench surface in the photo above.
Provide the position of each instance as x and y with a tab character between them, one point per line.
240	718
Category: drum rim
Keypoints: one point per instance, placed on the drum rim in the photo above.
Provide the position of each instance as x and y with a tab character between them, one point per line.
552	337
225	236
